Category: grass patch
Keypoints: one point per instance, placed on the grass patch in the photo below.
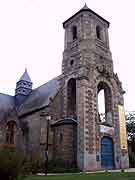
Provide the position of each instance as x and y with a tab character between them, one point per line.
83	176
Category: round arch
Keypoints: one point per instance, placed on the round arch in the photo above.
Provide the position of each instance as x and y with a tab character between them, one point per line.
10	133
106	101
107	152
71	97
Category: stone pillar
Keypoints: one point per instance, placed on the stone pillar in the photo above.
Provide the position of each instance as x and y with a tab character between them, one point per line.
86	157
124	160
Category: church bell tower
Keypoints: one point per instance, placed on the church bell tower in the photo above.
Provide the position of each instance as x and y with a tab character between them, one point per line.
87	69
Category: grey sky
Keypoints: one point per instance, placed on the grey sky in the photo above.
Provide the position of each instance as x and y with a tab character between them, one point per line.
31	35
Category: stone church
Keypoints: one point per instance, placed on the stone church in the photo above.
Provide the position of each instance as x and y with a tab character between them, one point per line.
63	114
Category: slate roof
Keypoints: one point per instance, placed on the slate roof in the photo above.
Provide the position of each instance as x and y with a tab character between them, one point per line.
7	108
85	6
84	9
64	121
25	77
39	97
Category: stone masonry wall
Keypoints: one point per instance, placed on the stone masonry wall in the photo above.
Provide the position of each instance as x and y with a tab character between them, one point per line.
65	144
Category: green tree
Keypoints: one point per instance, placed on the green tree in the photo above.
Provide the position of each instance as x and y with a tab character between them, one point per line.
130	122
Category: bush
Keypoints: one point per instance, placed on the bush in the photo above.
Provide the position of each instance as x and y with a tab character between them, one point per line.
35	162
33	165
131	152
11	162
58	166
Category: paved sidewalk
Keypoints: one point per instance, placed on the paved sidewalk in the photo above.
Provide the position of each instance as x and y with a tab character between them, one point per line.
115	170
125	170
130	170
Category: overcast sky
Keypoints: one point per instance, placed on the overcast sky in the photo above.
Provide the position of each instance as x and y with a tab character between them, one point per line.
32	36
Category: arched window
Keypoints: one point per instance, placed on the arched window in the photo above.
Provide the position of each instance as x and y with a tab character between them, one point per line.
74	32
71	97
10	134
98	32
104	103
101	105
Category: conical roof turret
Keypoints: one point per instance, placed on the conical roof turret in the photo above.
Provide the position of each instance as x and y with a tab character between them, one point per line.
85	6
25	77
23	88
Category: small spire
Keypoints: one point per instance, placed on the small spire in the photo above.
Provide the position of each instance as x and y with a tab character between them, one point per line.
25	76
85	6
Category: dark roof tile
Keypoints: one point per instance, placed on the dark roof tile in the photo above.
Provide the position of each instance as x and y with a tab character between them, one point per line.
39	97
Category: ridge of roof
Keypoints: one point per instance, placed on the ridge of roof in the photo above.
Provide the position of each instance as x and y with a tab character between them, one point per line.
3	94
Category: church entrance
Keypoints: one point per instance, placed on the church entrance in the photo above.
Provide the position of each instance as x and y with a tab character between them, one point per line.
107	153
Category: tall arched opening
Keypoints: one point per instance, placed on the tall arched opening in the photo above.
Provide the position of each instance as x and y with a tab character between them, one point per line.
10	133
104	103
71	97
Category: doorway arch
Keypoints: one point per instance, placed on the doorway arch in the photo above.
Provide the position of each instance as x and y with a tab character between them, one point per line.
107	153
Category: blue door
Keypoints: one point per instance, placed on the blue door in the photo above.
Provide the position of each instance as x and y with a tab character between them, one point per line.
107	154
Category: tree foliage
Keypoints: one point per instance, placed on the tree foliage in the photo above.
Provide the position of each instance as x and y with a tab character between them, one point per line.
130	122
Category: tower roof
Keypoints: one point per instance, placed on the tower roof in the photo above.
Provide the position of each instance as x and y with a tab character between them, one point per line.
85	6
86	9
25	77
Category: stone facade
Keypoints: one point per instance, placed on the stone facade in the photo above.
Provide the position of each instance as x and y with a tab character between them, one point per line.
77	134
